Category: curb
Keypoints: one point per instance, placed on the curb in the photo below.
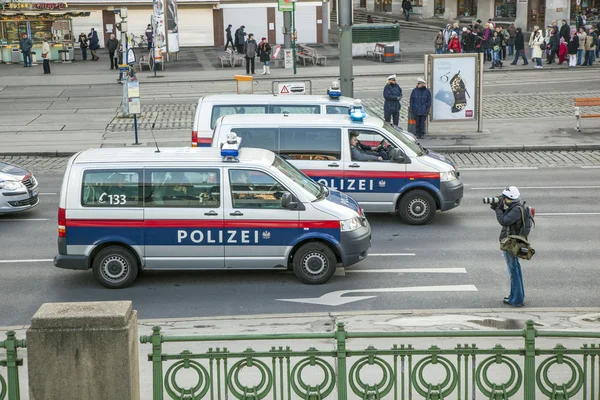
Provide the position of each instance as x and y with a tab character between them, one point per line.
441	149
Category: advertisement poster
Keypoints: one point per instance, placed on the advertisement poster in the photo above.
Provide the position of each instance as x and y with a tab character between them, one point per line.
160	39
453	87
172	26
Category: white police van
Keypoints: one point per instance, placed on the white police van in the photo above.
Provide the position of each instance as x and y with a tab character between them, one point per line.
210	108
412	181
125	210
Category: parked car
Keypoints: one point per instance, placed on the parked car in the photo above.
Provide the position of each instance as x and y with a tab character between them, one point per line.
18	189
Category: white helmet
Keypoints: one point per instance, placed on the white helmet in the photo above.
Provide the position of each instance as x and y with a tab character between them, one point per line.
511	192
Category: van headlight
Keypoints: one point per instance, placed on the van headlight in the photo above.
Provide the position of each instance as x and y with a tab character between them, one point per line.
351	224
11	185
448	176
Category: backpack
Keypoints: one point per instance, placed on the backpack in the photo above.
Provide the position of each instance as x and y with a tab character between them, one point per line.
506	35
528	219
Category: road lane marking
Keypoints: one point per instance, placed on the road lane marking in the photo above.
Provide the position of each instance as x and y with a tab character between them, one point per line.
496	168
540	187
410	270
590	166
24	219
48	194
335	298
565	214
26	261
391	254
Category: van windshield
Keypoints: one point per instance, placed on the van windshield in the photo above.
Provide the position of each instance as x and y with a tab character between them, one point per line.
314	189
399	134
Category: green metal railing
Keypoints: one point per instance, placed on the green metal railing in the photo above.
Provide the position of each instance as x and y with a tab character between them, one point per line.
402	374
12	364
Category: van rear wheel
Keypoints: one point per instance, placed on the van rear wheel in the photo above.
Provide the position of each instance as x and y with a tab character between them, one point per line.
417	207
314	263
115	267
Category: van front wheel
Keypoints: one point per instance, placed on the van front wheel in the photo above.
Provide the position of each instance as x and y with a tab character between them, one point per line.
115	267
314	263
417	207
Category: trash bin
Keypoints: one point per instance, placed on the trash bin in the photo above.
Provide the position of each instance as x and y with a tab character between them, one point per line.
33	58
411	123
71	51
388	53
64	56
15	56
6	55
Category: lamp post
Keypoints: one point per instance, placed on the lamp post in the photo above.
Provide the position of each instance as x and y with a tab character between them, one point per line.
294	34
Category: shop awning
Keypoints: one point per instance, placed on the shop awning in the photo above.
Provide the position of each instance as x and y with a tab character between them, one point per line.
27	14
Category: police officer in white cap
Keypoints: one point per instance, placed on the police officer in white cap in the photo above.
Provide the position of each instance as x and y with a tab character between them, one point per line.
508	212
392	94
420	104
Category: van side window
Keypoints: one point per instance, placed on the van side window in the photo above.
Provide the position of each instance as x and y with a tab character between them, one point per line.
263	138
320	144
219	111
255	189
294	109
111	188
176	188
342	110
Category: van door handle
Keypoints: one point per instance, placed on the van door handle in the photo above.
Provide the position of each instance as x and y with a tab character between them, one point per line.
355	165
237	213
211	213
333	165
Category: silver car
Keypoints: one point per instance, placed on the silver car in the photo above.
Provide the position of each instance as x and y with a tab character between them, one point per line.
18	189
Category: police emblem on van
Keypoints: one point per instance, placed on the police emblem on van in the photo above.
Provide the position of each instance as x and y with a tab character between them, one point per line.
381	183
266	235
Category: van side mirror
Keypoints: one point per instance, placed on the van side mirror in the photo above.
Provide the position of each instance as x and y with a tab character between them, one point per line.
289	201
399	157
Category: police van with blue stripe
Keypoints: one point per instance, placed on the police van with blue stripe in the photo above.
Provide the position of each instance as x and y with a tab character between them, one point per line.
126	210
395	175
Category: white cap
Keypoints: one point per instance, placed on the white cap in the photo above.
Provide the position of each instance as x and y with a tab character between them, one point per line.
421	80
391	77
453	34
511	192
464	29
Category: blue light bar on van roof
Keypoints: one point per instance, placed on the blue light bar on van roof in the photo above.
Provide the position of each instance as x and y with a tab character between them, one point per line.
334	91
230	150
357	112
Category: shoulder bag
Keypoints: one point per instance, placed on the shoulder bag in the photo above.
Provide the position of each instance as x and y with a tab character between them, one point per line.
517	245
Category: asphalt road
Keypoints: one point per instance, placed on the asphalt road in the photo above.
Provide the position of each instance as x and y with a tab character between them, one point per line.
458	249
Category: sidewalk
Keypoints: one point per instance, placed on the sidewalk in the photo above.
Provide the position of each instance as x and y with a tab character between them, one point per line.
585	319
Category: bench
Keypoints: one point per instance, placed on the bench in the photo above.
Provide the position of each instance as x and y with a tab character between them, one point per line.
149	62
377	52
585	102
303	54
316	57
237	58
226	57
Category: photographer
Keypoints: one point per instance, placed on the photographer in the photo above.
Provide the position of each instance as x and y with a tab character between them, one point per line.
508	213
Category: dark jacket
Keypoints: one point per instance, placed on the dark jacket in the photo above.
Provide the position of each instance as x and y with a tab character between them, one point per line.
250	48
493	42
420	101
392	95
264	52
360	155
112	45
83	41
94	41
519	41
149	35
228	30
406	5
25	44
240	36
468	42
511	220
573	45
554	42
565	32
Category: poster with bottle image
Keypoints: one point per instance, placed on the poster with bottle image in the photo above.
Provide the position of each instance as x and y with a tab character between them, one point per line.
172	26
160	39
453	87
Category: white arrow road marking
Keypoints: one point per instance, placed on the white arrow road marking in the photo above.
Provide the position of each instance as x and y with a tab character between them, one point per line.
410	270
335	298
25	261
390	254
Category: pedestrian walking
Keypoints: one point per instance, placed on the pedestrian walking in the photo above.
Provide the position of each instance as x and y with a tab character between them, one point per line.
94	44
538	51
562	51
392	94
590	47
520	47
264	55
406	8
25	45
573	48
531	38
240	39
420	104
581	50
495	47
83	45
512	33
229	38
553	47
149	36
579	22
46	56
112	44
438	42
250	49
565	30
454	44
509	215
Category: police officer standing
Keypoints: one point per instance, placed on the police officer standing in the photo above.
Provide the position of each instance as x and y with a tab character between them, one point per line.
420	103
392	94
508	213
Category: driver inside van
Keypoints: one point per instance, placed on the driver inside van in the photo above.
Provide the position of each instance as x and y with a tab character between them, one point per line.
361	152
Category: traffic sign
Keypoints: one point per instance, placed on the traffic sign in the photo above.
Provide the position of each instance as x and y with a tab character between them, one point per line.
292	88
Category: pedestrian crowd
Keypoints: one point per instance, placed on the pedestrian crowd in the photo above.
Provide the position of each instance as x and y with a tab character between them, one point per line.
245	44
574	46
